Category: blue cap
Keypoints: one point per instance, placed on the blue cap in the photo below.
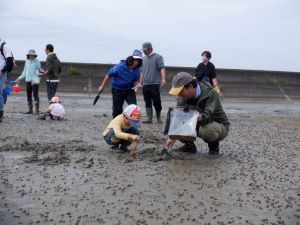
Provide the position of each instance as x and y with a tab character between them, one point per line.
135	124
137	54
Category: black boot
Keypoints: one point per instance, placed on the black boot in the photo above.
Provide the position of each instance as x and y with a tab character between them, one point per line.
149	112
30	107
158	117
213	148
37	108
188	147
1	116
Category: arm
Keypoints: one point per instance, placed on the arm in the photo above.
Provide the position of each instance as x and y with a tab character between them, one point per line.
163	76
22	76
49	67
104	83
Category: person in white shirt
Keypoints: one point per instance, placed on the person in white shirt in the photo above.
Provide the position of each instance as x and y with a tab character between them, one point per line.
55	110
6	65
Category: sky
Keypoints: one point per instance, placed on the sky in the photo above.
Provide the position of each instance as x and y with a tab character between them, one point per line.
241	34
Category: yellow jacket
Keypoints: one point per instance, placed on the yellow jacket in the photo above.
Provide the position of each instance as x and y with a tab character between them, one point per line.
119	125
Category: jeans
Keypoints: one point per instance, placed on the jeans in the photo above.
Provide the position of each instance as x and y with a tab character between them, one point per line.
3	78
119	97
32	88
111	134
51	89
151	95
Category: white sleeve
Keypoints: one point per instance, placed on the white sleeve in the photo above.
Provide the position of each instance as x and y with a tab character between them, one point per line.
6	51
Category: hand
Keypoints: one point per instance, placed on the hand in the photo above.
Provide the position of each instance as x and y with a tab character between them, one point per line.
163	82
17	81
169	143
135	138
217	89
100	89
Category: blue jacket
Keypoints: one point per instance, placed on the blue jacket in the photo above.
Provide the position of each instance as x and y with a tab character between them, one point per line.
31	71
123	77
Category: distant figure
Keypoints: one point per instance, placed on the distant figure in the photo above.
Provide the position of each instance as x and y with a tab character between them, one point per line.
53	69
55	110
206	71
153	77
6	65
30	73
126	75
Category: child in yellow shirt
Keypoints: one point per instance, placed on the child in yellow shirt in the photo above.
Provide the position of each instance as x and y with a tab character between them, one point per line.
124	129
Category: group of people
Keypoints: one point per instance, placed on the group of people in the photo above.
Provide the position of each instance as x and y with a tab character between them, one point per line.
148	72
136	72
32	73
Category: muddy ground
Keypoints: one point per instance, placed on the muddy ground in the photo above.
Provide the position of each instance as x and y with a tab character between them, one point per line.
63	173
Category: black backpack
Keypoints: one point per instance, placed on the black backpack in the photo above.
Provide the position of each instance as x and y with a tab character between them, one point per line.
11	66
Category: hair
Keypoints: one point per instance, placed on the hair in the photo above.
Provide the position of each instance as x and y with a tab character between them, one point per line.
130	59
50	47
28	56
207	54
194	83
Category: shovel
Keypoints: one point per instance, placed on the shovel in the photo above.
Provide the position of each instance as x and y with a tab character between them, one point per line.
96	98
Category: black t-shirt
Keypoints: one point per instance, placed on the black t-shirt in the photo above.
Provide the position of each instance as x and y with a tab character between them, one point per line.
206	72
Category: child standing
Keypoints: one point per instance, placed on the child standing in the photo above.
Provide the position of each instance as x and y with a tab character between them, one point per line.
124	129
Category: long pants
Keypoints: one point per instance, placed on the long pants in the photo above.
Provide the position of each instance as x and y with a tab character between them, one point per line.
111	134
32	89
213	132
119	97
3	78
51	89
151	95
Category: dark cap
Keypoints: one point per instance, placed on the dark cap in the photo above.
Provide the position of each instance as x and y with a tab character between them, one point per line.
146	45
179	81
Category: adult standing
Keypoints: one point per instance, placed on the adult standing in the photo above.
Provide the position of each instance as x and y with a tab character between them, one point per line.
30	74
125	75
153	77
6	65
52	72
206	71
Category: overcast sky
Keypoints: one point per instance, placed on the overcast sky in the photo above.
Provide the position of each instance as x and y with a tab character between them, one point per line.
246	34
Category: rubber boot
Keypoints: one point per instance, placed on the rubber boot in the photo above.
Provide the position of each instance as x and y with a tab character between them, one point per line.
149	112
158	117
214	148
30	111
37	108
1	116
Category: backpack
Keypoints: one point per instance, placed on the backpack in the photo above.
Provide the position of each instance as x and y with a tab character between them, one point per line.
11	66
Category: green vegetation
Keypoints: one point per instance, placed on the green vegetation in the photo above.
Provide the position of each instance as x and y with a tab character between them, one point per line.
73	71
275	81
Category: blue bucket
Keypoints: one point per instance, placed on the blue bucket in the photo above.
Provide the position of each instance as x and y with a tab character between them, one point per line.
7	90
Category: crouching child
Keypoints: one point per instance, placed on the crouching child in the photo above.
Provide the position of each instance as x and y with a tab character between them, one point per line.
55	110
124	129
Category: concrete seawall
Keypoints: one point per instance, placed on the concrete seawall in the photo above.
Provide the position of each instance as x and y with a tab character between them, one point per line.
235	83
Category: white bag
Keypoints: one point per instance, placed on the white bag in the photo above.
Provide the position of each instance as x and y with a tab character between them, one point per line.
183	124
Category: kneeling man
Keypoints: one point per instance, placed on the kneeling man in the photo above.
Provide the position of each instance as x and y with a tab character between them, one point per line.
213	124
